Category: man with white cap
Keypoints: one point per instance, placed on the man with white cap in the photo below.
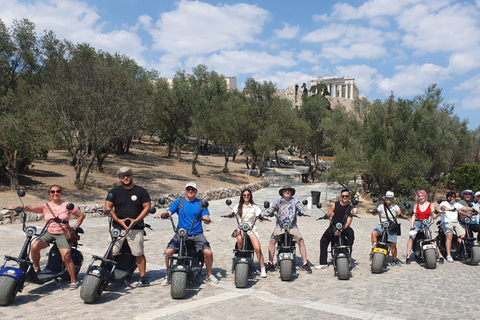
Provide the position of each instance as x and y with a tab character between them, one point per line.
188	209
132	204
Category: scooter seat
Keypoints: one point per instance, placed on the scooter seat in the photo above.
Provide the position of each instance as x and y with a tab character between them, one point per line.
48	274
120	274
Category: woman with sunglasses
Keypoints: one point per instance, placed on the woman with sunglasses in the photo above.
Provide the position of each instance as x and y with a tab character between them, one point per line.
474	223
387	211
55	207
247	210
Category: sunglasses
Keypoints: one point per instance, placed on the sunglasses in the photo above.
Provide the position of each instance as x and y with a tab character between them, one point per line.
246	195
55	191
191	189
467	194
389	198
345	196
123	176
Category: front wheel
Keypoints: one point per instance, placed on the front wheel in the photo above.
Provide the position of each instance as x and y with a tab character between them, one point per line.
286	270
241	275
91	289
343	268
473	255
178	286
7	290
378	261
430	257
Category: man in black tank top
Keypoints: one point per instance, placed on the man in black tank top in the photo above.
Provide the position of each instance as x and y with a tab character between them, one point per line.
341	212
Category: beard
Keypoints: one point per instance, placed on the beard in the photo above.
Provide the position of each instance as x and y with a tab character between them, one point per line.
127	184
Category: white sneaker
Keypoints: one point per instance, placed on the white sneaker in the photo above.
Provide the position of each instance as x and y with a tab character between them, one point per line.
211	279
449	259
321	266
165	282
263	274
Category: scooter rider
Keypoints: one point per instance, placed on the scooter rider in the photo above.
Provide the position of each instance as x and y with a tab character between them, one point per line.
286	208
450	222
132	204
189	208
338	211
392	210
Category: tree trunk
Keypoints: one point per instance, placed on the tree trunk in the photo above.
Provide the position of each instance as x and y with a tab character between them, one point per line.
225	168
12	168
179	152
87	170
246	162
195	159
278	160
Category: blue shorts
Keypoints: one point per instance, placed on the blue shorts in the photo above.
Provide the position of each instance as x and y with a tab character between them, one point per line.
392	236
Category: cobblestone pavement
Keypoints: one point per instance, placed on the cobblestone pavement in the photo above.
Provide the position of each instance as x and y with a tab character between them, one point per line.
403	292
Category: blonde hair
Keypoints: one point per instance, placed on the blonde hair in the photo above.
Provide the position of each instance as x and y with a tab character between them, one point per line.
53	186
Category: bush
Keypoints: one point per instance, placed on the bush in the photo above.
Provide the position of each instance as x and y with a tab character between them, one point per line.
465	176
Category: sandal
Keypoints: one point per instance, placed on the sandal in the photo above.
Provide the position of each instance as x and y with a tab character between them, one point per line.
440	260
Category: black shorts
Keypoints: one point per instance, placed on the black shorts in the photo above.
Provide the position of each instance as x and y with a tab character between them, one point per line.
201	242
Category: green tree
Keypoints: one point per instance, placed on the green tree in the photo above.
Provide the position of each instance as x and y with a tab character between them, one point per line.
464	176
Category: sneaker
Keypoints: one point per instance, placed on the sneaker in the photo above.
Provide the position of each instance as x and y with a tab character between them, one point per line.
307	268
73	286
449	259
398	262
440	260
165	282
408	261
263	274
321	266
211	279
270	267
144	281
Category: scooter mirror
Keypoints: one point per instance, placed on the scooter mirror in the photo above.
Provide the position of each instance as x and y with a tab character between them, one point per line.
407	205
375	200
305	202
205	204
228	202
110	197
470	204
70	206
266	204
355	202
475	200
152	210
161	201
21	193
439	201
319	205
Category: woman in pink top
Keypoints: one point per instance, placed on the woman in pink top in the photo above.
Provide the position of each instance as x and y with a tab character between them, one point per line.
54	230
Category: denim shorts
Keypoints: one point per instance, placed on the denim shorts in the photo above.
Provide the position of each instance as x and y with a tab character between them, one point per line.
392	236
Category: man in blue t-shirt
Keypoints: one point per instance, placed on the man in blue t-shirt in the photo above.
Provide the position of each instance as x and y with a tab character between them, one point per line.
188	209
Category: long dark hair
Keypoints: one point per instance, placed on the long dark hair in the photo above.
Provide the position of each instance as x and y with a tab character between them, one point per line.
241	202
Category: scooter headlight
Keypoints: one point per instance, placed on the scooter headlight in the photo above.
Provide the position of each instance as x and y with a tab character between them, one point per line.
386	224
467	220
338	226
245	227
182	232
31	231
286	226
425	222
116	233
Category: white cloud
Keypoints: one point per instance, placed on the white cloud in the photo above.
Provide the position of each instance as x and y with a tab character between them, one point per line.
200	28
412	79
452	28
309	56
76	22
283	78
287	32
461	62
364	76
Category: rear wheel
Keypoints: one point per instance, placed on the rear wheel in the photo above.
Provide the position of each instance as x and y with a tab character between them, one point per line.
241	275
343	268
7	290
378	261
286	270
473	255
430	257
178	286
91	289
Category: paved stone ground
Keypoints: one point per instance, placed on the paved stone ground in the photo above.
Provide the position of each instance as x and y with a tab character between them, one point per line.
404	292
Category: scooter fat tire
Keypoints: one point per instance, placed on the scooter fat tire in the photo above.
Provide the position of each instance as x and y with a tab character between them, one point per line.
343	269
241	275
178	285
378	262
286	270
91	288
7	290
430	257
473	255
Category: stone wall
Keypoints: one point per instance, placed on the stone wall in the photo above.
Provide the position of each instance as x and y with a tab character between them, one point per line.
92	210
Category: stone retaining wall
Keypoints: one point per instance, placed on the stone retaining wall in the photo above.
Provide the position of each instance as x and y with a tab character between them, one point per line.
91	210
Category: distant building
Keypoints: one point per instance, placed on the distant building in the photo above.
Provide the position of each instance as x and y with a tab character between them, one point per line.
342	90
231	83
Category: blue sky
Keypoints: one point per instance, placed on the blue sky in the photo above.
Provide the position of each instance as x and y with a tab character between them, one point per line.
387	45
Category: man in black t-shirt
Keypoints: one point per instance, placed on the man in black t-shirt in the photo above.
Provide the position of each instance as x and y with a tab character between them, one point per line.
341	212
132	204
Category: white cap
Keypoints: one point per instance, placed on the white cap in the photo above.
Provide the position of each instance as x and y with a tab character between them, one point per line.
191	184
477	193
